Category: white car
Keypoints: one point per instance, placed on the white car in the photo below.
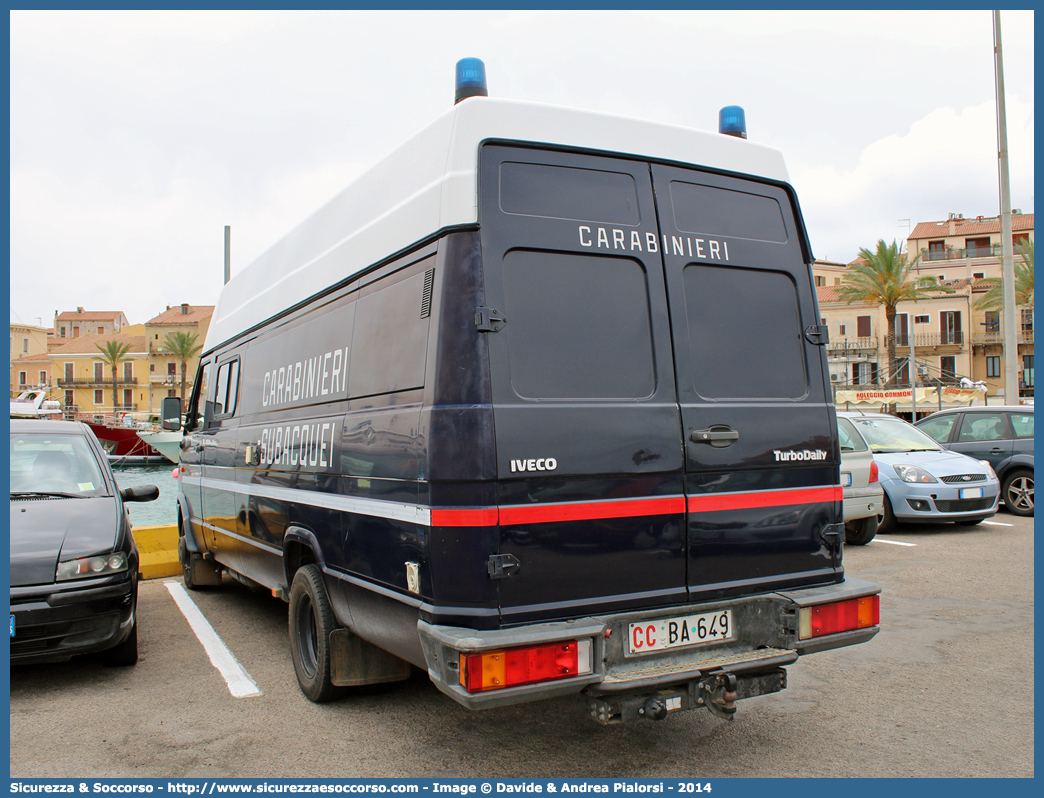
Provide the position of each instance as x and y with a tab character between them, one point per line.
864	496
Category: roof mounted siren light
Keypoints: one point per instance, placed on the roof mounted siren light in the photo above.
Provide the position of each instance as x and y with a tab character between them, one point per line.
471	79
732	121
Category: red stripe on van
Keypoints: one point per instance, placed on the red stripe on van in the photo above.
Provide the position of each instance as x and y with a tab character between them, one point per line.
774	498
588	511
482	516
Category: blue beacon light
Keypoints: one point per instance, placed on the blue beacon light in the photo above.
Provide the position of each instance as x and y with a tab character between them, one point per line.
471	79
732	121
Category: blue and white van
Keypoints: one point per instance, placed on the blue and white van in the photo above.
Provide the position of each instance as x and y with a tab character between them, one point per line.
540	405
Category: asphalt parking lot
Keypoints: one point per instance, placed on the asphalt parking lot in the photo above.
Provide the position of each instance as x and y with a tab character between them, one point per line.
945	690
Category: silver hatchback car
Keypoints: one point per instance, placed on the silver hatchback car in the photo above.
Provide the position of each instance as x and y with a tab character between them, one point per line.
863	494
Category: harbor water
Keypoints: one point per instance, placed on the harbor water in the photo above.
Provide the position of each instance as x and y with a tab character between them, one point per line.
164	509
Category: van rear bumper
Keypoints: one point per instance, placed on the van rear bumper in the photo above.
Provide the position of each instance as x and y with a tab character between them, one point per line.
765	639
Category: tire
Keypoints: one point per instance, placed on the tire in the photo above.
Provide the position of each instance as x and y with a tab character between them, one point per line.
126	653
887	523
311	622
861	532
1017	492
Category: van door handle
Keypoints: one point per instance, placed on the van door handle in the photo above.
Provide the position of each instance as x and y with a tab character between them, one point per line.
719	436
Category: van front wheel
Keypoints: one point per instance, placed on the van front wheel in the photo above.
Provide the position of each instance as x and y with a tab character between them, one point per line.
311	622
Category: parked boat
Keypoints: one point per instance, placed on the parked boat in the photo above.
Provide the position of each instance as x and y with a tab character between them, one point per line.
165	442
35	404
121	440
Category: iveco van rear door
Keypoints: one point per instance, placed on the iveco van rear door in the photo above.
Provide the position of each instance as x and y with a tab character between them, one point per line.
587	425
760	447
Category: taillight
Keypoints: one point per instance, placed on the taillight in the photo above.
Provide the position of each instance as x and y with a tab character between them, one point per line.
840	616
873	471
495	670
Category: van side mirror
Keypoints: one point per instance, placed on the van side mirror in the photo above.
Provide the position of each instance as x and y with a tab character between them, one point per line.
170	413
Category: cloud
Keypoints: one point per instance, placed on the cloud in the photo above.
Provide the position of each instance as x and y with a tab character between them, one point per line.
946	163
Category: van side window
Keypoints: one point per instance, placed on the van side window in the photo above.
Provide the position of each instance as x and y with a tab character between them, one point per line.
744	331
579	326
562	192
196	419
390	340
227	389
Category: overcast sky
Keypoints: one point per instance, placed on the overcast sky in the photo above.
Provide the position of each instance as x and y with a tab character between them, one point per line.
137	136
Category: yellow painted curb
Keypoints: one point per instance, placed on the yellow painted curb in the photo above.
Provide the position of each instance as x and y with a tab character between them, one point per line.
157	550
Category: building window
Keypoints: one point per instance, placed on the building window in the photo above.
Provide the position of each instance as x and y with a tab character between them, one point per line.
1027	320
992	323
128	372
936	250
979	275
978	247
68	372
43	378
99	397
863	326
99	372
948	367
68	398
101	331
1027	370
1019	240
171	392
950	328
128	399
993	366
841	330
922	319
820	280
25	345
61	332
941	278
21	378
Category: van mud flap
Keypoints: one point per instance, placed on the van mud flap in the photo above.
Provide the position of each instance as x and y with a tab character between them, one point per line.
717	692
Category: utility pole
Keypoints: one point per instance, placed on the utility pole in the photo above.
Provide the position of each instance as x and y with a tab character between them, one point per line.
228	253
1011	346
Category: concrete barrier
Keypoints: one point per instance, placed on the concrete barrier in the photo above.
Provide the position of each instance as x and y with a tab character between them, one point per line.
157	550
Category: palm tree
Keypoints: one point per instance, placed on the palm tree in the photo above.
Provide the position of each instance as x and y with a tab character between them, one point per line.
883	278
994	298
182	346
113	353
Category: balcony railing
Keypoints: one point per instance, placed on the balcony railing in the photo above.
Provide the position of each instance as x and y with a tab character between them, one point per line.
106	383
850	344
952	253
952	338
987	338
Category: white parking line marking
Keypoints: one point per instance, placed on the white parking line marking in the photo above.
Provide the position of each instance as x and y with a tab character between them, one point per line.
995	523
893	542
238	680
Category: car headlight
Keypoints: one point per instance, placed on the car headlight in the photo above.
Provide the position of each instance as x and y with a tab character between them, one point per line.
102	565
989	469
912	473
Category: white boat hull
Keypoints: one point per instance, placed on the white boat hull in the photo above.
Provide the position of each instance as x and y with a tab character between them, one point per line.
166	443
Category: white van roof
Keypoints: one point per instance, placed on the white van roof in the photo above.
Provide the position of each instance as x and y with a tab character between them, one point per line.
430	183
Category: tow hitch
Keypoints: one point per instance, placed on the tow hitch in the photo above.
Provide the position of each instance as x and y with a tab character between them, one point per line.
718	694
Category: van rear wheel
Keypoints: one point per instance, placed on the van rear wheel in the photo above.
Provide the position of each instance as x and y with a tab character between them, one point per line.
311	622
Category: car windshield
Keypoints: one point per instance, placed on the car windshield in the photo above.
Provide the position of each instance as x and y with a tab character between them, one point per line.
54	465
893	435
